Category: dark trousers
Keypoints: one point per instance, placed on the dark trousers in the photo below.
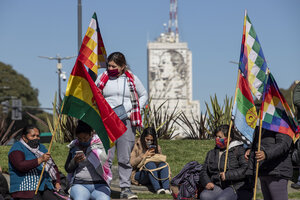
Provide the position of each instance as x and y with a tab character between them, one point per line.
274	188
43	195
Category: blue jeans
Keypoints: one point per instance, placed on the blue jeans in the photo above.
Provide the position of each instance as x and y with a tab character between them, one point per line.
145	177
218	194
90	191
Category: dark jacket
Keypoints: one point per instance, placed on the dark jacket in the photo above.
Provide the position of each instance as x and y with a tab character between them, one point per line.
188	180
236	167
277	148
296	154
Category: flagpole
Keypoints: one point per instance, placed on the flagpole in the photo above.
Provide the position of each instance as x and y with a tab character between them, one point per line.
231	122
257	163
259	137
49	149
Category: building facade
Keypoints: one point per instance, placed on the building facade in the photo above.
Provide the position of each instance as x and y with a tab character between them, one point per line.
170	76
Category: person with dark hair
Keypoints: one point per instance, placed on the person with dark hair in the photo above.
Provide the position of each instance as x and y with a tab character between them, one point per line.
125	93
157	173
26	158
275	163
88	170
4	190
232	184
296	99
296	152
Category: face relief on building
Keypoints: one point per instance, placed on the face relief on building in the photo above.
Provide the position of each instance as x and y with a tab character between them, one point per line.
170	76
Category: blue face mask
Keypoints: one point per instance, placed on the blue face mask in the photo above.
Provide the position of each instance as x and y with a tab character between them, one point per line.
85	144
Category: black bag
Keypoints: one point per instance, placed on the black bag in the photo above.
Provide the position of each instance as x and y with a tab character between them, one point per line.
120	109
121	112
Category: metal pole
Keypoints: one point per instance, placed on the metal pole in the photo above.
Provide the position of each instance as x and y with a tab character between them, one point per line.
59	87
79	20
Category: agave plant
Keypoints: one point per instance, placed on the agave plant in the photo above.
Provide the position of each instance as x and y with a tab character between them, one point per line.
63	125
195	128
219	114
161	120
165	120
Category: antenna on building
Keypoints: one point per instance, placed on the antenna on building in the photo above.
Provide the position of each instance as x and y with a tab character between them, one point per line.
173	22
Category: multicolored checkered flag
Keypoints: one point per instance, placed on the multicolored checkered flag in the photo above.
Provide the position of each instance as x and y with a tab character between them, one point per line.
252	61
277	115
92	51
244	111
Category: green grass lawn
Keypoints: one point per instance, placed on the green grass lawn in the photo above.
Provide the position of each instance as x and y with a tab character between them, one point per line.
179	152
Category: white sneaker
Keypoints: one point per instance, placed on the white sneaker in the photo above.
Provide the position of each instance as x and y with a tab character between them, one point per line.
167	191
161	191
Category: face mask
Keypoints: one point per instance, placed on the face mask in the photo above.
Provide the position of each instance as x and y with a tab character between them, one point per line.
113	72
85	144
221	143
148	143
33	143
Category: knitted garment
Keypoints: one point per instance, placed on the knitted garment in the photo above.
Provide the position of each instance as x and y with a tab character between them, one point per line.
28	181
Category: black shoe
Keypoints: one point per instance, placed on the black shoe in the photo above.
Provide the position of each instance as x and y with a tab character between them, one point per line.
126	193
295	186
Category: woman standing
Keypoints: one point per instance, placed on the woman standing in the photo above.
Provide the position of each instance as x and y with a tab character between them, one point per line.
275	164
89	172
120	87
144	148
26	158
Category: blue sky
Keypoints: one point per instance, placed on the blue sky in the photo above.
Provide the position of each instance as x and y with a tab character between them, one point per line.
212	29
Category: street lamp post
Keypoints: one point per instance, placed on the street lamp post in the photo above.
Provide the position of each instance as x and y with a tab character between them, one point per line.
79	22
60	73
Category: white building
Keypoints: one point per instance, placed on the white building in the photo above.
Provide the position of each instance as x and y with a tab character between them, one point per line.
170	76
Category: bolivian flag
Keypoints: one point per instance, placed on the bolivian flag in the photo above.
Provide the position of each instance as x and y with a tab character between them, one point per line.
92	51
84	101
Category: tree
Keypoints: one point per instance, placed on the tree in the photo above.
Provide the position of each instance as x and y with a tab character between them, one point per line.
15	85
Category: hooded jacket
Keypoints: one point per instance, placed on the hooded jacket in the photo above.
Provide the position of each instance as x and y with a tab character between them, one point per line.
235	171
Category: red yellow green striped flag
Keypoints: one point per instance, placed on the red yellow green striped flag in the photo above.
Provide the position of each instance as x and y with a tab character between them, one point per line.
84	101
92	51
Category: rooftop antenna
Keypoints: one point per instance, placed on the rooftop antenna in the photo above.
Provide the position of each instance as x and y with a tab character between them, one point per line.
173	22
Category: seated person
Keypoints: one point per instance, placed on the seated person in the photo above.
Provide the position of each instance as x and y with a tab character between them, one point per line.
26	158
87	165
146	147
4	191
232	184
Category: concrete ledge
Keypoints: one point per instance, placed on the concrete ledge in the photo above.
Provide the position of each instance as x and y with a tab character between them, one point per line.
114	185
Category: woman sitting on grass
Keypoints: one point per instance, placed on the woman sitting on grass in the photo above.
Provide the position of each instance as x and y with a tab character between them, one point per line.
232	184
146	147
89	172
26	158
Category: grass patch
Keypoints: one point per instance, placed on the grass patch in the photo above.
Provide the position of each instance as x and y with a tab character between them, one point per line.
178	152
